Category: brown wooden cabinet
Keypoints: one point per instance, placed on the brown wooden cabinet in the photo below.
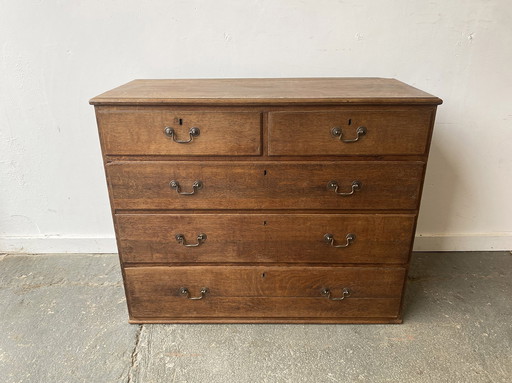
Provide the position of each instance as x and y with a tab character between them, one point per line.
265	200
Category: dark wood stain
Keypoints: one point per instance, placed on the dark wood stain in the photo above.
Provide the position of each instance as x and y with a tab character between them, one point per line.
265	156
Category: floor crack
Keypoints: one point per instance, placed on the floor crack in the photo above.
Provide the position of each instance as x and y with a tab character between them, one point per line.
135	354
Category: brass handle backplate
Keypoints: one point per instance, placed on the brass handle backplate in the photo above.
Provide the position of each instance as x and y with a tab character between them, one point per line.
344	294
329	239
338	132
185	291
193	132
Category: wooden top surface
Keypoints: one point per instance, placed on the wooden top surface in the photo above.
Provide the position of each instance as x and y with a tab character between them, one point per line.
264	91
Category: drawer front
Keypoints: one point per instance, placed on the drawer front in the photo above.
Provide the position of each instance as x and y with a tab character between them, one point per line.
143	132
207	238
380	132
258	291
265	185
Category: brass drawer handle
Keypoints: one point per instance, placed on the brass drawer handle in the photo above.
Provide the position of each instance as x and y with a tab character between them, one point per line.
180	238
329	238
193	132
195	187
327	293
184	291
338	132
356	186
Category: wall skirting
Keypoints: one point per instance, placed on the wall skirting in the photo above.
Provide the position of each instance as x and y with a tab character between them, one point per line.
54	244
423	242
463	242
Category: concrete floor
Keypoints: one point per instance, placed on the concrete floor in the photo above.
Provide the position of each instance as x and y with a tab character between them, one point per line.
63	319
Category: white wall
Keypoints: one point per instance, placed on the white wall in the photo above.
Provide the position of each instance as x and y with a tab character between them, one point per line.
55	55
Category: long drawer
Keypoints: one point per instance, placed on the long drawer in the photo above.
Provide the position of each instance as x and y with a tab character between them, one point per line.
350	132
265	185
154	131
271	292
249	238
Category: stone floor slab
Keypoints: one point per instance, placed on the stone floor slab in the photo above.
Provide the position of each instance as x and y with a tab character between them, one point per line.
63	319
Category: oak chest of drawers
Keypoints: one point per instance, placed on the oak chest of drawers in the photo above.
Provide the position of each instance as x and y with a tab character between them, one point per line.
265	200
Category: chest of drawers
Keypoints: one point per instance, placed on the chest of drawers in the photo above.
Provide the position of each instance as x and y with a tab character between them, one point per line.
265	200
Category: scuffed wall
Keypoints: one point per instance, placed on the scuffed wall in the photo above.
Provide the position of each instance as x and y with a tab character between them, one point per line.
55	55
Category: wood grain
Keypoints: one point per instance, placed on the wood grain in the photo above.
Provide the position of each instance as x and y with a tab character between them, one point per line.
241	291
265	155
141	132
265	91
268	238
265	185
389	132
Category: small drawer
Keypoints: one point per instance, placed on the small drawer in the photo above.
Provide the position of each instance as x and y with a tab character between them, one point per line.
265	238
265	185
160	131
372	132
263	292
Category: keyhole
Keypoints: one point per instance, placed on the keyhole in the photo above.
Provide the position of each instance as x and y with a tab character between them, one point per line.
264	223
263	275
180	121
264	172
350	121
